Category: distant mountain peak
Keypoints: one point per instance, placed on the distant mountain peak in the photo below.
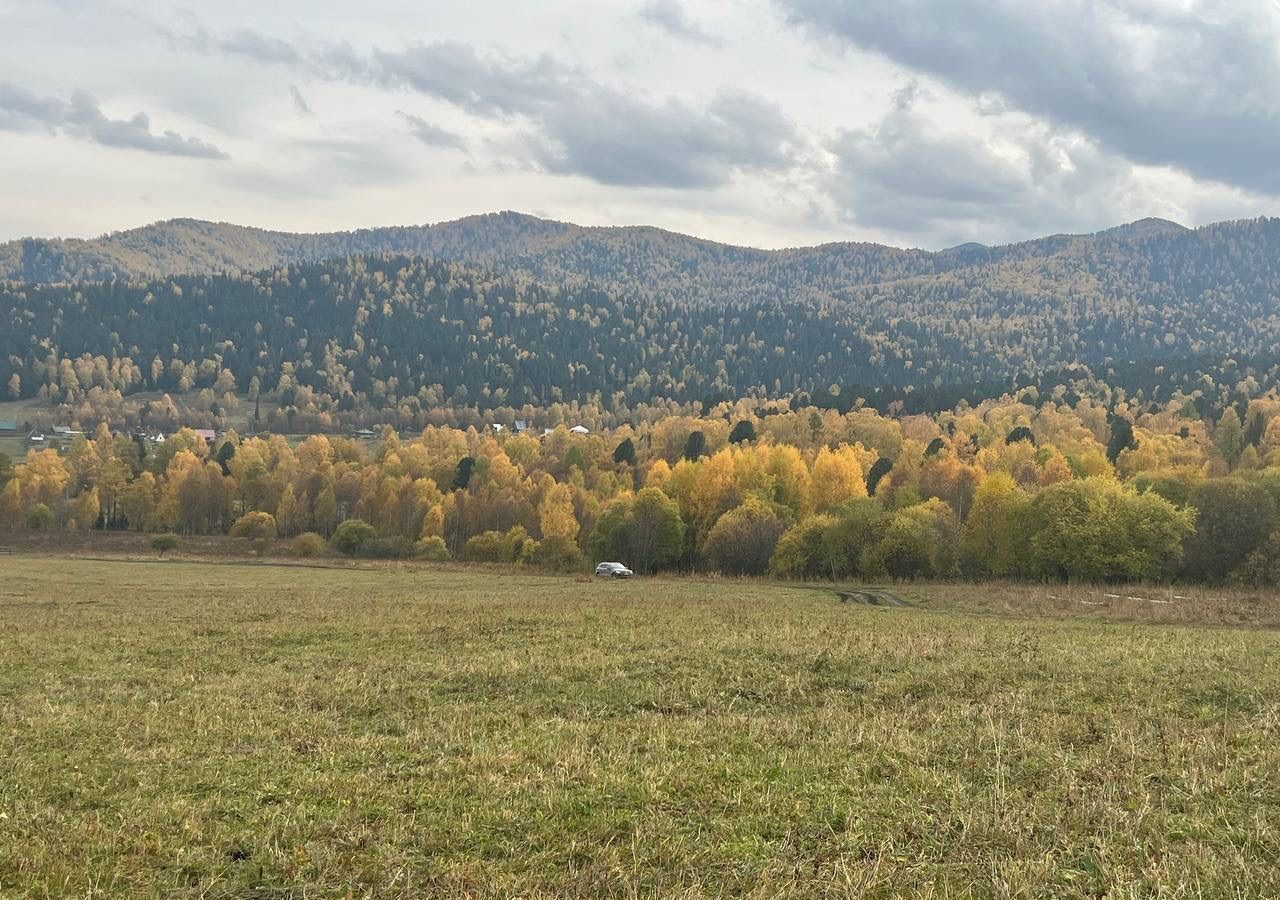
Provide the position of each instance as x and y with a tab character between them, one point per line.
1151	226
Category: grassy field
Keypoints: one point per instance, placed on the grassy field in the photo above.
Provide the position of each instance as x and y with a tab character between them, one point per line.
185	729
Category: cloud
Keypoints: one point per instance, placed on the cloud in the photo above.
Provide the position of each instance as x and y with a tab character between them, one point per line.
455	73
1187	85
432	135
243	42
581	127
21	110
299	102
619	139
669	16
569	124
912	177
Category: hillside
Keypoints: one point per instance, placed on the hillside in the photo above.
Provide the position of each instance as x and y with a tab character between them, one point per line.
632	316
630	258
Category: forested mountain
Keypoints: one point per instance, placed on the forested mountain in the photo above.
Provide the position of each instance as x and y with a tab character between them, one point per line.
624	257
509	311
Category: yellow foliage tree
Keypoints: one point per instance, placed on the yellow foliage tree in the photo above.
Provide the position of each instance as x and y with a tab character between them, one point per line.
836	477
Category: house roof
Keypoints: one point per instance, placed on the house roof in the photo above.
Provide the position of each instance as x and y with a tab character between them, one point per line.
6	425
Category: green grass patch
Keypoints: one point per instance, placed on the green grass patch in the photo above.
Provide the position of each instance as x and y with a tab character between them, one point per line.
200	730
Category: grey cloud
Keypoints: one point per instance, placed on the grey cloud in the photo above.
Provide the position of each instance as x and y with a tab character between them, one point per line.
911	178
240	43
432	135
21	110
455	73
299	102
614	138
571	124
602	133
669	16
1185	86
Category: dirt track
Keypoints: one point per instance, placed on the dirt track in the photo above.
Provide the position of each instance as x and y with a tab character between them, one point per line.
871	597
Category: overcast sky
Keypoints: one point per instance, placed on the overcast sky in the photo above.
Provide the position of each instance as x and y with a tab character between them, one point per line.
765	122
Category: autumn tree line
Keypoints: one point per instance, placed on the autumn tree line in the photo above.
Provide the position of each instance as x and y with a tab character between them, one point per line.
1009	488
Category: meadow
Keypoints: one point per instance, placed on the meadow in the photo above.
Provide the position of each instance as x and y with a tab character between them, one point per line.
186	728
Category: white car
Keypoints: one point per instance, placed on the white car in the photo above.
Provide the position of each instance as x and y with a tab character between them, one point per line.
613	570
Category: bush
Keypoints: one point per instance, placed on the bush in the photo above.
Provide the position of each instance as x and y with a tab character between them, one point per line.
491	546
309	544
918	542
1095	529
801	552
1232	519
39	517
432	549
388	548
859	524
743	539
497	546
258	528
351	536
558	553
1262	567
163	543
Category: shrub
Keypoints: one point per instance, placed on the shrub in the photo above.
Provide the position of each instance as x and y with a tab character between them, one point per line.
558	553
258	528
39	517
1233	518
918	542
490	546
163	543
1097	530
309	544
801	552
432	549
743	539
396	547
497	546
351	536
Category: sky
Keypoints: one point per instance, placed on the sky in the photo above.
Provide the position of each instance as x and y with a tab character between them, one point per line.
923	123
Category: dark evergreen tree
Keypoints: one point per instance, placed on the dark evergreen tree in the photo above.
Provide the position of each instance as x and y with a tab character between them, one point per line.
695	445
625	452
743	432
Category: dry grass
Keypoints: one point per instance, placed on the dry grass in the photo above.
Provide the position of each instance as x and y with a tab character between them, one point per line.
199	730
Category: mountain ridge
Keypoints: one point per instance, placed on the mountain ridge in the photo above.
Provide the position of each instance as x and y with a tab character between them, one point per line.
188	245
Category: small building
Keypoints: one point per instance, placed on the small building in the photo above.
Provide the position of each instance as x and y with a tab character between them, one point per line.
497	428
520	426
65	431
35	437
207	433
366	434
6	425
580	429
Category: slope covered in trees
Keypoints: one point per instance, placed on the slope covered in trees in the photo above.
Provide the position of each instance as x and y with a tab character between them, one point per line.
635	316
